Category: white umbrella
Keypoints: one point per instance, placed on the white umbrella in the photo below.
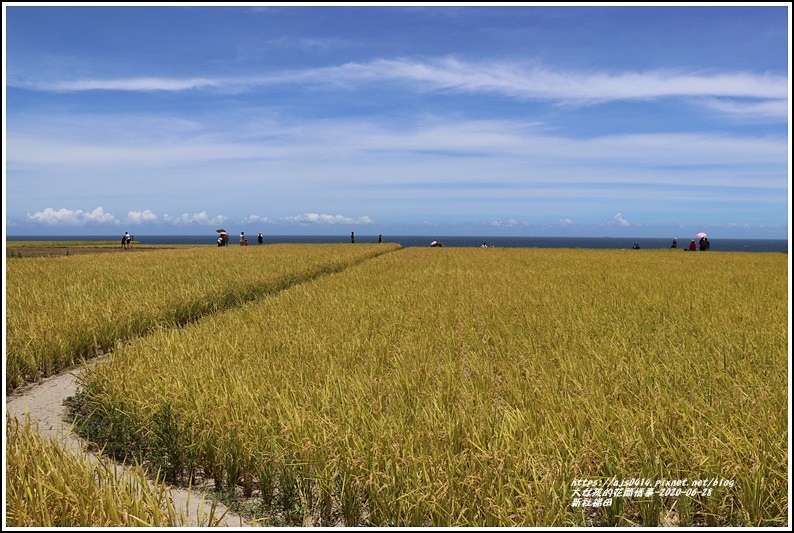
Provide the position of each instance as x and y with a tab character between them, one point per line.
700	235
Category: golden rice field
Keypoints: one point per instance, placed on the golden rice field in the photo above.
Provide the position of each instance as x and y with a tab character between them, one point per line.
60	309
465	387
49	486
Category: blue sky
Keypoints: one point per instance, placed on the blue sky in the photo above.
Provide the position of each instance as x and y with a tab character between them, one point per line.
587	120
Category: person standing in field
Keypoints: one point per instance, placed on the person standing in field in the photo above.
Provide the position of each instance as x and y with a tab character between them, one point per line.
675	243
242	238
352	237
380	239
259	238
125	240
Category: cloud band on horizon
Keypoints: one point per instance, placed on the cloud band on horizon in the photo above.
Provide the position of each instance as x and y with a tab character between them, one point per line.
78	217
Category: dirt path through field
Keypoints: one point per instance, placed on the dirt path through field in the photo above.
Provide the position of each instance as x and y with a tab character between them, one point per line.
44	403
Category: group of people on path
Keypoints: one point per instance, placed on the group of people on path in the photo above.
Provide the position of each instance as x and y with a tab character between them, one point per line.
126	240
693	246
223	238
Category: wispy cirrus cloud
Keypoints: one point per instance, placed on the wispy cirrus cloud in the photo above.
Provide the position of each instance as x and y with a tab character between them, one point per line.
519	81
742	108
513	80
136	84
41	141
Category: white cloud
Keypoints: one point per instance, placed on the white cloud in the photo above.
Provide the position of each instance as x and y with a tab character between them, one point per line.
72	217
513	80
140	146
196	218
322	219
253	219
138	84
763	109
622	221
139	217
507	223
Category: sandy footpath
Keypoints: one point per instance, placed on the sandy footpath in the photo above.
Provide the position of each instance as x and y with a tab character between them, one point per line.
44	403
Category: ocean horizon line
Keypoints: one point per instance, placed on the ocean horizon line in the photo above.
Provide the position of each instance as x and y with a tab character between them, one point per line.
718	244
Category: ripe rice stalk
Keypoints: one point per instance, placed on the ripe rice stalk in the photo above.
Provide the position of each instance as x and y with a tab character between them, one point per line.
49	486
61	309
457	388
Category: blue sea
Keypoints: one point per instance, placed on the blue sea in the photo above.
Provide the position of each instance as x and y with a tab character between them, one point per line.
620	243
